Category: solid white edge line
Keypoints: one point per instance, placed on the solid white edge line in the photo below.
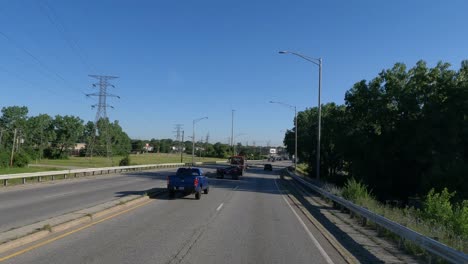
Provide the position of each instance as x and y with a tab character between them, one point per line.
311	236
219	207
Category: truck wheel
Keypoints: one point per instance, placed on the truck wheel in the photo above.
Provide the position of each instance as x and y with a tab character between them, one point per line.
171	193
198	195
206	190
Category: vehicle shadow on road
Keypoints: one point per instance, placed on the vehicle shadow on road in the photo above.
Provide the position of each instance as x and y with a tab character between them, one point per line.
153	193
127	193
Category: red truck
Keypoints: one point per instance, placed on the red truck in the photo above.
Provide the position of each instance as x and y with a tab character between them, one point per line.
239	161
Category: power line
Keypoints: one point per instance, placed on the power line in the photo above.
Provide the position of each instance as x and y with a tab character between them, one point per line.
60	26
38	61
35	85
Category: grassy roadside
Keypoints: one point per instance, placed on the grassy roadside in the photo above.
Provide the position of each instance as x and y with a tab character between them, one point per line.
97	162
135	159
302	169
410	217
25	170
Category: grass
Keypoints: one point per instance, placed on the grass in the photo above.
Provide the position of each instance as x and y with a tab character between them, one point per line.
25	170
97	162
46	227
410	217
135	159
302	169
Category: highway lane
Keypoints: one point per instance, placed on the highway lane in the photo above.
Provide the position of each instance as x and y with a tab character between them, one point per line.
27	204
246	221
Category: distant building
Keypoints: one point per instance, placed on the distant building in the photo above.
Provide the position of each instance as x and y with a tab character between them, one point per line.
75	151
148	148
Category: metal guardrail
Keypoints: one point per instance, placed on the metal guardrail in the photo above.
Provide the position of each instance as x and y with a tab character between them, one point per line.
435	247
91	171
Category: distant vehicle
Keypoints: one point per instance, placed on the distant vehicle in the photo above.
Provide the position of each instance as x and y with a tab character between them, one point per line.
239	161
268	167
188	180
233	171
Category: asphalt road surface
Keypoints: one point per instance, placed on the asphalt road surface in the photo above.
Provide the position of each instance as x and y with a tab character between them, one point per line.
26	204
245	221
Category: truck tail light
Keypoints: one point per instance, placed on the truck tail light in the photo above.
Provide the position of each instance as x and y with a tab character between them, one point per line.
195	182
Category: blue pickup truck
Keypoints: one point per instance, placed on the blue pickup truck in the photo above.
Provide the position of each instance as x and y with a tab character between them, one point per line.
188	180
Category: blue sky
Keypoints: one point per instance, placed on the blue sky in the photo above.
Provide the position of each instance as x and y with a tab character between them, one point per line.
181	60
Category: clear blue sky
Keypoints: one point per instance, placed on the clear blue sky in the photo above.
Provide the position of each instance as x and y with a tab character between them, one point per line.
180	60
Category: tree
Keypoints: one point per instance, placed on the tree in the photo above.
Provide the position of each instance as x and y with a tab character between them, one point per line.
40	132
68	130
402	133
121	143
13	117
137	145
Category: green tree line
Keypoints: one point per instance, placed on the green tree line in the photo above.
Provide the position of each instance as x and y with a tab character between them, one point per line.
402	133
205	149
43	136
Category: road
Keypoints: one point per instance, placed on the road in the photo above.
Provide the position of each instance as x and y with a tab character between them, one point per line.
245	221
27	204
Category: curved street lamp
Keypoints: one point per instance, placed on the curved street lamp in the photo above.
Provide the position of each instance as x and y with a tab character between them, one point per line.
295	124
193	136
318	62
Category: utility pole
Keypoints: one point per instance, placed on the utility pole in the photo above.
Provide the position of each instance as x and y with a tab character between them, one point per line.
193	137
232	131
200	149
182	148
13	148
207	138
101	114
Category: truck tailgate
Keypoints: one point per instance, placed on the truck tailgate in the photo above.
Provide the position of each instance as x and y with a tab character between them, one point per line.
182	181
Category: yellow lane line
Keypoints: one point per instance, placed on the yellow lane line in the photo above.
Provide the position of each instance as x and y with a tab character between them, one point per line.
68	233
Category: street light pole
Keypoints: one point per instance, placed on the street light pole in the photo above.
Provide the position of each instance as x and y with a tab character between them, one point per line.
317	62
319	128
295	140
232	131
295	128
193	136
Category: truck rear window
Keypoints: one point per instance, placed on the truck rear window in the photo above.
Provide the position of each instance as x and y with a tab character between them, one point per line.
188	172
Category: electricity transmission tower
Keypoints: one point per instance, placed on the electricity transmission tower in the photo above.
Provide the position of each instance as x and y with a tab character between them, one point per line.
178	131
101	115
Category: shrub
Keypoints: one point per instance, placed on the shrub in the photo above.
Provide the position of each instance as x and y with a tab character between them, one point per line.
460	219
20	159
355	191
125	161
437	207
4	159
